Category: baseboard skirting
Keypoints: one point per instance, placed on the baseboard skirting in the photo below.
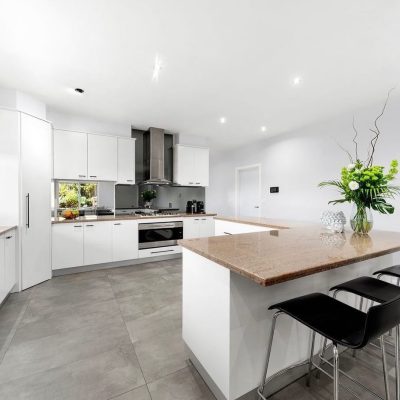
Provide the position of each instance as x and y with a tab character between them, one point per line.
95	267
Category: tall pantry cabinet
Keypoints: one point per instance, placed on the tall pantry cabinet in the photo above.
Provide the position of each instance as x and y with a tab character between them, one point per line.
25	178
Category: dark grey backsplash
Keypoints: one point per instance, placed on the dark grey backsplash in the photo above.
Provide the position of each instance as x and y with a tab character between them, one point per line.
127	196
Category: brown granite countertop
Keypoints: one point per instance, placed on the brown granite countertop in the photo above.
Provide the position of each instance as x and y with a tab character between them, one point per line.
4	229
94	218
282	255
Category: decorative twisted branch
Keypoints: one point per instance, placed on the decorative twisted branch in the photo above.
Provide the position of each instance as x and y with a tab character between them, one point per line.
376	131
355	137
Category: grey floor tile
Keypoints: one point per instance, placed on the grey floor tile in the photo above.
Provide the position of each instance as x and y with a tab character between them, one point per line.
185	384
161	355
100	377
32	356
140	393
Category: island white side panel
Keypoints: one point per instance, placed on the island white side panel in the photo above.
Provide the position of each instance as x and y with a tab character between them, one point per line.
251	321
206	316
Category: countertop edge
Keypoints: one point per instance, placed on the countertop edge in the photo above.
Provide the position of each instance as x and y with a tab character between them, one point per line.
4	229
245	221
285	277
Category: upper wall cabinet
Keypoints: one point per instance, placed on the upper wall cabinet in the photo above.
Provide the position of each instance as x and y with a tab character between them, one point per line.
102	157
126	161
70	155
86	156
191	165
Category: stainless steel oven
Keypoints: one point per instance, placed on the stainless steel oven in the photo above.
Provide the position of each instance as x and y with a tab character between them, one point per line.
160	234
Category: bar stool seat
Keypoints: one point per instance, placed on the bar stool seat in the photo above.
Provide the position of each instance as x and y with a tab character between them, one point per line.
391	271
370	288
330	318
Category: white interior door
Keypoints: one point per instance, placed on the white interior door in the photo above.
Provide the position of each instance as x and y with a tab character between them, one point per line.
248	190
35	202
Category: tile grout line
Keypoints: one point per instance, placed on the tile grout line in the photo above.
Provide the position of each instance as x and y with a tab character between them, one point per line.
10	336
127	331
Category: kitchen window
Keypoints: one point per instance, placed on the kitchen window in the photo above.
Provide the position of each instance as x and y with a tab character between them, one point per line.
77	195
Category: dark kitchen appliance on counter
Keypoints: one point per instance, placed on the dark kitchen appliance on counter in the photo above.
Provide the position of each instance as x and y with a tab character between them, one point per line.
195	207
160	234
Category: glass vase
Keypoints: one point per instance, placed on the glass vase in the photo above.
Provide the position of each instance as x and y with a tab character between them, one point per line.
361	219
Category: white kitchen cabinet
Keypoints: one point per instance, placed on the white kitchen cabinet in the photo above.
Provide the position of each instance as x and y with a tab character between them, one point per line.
10	261
3	292
8	276
191	165
97	241
67	245
197	227
102	157
70	155
126	161
124	240
233	228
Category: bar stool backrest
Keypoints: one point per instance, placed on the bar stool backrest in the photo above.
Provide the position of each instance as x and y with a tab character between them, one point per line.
381	319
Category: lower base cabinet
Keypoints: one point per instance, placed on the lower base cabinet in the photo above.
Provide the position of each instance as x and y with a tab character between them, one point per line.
97	243
124	240
67	245
198	227
85	243
8	272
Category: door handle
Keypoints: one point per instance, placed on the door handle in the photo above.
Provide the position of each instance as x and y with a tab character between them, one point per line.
118	223
93	176
8	237
89	225
129	180
256	206
82	176
27	211
227	233
161	251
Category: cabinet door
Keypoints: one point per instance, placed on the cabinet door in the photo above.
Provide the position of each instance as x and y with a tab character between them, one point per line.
70	155
206	227
126	161
35	232
67	245
191	228
10	278
97	241
3	292
102	158
201	167
125	240
184	173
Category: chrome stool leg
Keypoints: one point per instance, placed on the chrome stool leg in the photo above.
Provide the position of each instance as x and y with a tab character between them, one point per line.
310	364
260	390
335	372
397	363
385	371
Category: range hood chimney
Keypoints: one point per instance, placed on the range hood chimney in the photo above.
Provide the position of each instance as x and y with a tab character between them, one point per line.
154	157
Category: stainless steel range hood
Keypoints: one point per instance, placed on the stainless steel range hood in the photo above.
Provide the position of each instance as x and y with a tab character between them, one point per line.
154	157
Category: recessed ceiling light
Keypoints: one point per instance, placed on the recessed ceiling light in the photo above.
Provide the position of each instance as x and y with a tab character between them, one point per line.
222	120
158	66
79	90
263	128
297	80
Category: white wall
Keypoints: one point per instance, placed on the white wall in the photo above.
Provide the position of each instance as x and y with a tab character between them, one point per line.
299	160
62	120
10	98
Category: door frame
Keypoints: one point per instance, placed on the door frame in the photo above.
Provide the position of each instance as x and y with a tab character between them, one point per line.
237	186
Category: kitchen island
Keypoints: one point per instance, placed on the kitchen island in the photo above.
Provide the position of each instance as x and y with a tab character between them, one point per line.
229	282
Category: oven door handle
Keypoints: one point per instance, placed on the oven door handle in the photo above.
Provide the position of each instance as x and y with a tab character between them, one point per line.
143	227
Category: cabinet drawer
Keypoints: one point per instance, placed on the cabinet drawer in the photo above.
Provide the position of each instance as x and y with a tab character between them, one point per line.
160	251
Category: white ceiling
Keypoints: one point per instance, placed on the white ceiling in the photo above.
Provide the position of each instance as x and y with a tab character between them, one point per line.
231	58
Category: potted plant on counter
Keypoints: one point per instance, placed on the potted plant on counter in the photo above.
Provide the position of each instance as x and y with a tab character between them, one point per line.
148	196
365	185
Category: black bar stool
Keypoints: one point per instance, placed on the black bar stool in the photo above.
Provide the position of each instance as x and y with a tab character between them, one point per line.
336	321
376	291
393	272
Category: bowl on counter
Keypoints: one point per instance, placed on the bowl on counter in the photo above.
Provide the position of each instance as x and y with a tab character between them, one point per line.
70	214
